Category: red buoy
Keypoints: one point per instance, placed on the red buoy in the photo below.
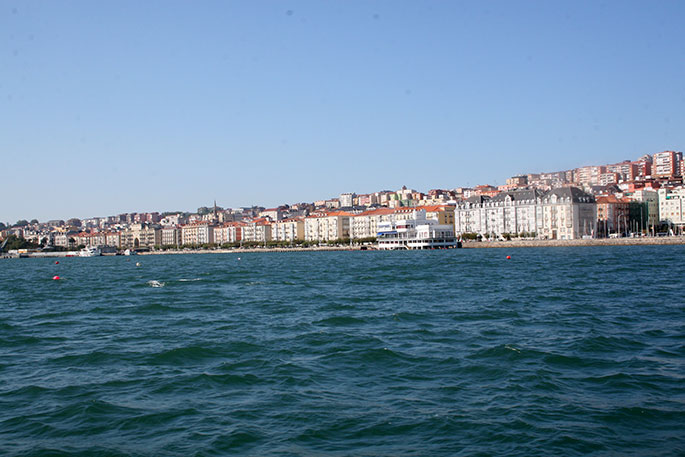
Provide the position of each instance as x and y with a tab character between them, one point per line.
508	257
56	278
56	262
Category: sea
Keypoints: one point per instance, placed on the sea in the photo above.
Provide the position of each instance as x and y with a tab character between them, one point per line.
554	351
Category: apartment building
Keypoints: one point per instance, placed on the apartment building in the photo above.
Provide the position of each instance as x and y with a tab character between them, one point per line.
666	164
258	230
672	206
365	225
562	213
139	235
171	236
327	226
201	232
288	230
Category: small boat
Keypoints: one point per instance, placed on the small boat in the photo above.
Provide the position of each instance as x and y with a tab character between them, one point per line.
91	251
130	252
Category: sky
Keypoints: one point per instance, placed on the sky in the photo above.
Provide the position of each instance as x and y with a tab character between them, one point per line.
128	106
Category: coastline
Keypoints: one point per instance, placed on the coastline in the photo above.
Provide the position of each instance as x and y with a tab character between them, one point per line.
644	241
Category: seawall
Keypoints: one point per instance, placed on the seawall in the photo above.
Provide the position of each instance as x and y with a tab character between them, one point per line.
670	240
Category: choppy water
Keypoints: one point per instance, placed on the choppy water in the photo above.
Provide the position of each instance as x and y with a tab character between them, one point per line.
558	351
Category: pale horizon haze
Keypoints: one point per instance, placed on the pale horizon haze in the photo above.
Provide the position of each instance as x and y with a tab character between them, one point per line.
112	107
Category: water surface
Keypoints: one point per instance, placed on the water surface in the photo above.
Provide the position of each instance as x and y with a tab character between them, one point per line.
558	351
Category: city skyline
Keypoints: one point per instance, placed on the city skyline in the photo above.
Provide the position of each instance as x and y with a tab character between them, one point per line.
166	106
333	197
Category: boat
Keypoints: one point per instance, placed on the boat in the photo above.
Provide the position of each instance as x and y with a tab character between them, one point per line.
90	251
130	252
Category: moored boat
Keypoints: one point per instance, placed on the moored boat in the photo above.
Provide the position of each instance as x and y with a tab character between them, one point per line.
90	251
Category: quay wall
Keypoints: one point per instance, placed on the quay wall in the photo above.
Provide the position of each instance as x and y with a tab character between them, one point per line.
671	240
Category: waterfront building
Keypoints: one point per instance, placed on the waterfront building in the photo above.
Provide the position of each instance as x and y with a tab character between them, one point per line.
327	226
415	231
228	232
613	215
288	230
171	236
113	239
507	212
258	230
201	232
64	239
568	213
649	214
365	225
563	213
672	206
140	235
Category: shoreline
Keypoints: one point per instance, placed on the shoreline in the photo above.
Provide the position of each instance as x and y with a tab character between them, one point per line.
644	241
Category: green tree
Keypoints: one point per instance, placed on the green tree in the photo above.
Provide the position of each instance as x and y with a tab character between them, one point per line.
17	242
21	223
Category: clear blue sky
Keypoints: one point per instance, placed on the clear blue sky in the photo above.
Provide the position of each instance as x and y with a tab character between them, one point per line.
109	107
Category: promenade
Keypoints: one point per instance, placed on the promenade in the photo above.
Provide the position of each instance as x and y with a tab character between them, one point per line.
666	240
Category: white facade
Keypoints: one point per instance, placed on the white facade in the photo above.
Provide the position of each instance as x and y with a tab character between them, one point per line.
365	225
288	230
259	232
564	213
672	205
197	233
327	227
420	233
347	199
171	236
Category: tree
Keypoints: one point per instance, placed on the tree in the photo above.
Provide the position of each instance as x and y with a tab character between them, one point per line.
21	223
2	226
34	221
74	221
15	242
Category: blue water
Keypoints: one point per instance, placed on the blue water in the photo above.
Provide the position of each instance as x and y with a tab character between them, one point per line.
558	351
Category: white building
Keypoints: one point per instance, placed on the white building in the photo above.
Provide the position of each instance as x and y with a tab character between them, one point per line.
197	233
672	206
258	231
563	213
415	233
347	199
365	225
288	230
327	226
171	236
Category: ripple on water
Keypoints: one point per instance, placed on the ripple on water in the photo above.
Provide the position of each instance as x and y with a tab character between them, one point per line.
345	353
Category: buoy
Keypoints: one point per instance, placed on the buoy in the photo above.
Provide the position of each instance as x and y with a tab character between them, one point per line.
56	278
508	257
137	264
238	258
56	262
